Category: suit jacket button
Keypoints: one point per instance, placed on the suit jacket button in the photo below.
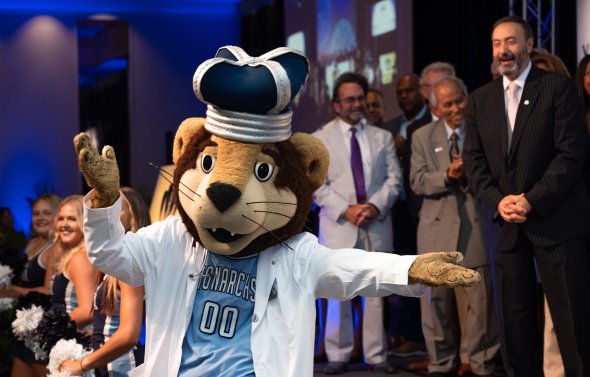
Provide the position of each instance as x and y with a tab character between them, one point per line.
255	318
436	219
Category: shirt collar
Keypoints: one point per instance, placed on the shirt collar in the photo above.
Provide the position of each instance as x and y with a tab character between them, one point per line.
520	79
459	131
345	127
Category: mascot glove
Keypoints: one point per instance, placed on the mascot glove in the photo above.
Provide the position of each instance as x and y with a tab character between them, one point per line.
441	269
100	171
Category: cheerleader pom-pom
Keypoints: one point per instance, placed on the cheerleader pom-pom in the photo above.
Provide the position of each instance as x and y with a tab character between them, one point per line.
24	327
65	350
5	276
7	303
13	258
56	325
27	321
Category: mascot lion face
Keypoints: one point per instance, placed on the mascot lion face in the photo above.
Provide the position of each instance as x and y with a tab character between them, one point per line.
238	198
243	182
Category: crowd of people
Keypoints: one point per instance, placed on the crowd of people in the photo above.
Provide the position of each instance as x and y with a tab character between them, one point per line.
498	174
495	174
57	267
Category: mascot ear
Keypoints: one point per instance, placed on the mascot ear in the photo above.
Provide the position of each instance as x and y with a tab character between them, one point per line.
315	157
187	129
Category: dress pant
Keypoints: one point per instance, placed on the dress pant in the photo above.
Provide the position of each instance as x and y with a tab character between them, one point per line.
339	337
564	272
552	364
442	330
404	312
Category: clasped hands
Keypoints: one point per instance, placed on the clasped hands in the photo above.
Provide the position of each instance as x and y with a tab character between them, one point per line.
361	214
514	208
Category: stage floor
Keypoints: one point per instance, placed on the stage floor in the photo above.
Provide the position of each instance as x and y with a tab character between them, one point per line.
357	369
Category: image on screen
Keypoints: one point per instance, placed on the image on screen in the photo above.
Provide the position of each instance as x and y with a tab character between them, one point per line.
372	37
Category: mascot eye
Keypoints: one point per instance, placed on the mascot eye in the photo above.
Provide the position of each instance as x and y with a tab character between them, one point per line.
263	171
207	163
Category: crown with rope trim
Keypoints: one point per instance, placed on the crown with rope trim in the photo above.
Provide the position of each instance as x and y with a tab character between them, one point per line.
248	97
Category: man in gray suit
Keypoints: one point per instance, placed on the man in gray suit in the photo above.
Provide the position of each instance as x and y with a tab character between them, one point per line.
363	182
450	219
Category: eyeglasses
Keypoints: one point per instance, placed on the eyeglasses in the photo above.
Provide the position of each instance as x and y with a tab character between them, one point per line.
351	100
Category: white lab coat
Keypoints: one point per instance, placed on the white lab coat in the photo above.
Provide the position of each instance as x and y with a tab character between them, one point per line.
283	324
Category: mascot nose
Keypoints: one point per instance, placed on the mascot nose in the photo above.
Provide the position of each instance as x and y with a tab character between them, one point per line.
223	195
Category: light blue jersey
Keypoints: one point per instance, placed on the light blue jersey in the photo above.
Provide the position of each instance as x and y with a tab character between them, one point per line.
217	342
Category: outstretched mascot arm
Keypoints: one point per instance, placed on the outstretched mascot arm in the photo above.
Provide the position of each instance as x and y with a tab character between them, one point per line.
100	171
441	269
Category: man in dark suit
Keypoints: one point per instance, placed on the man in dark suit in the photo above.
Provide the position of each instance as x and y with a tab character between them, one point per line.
415	115
404	312
524	154
375	113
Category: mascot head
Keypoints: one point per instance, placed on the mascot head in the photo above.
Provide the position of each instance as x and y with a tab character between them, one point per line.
243	181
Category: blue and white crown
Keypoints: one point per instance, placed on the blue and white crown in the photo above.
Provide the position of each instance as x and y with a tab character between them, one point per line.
248	97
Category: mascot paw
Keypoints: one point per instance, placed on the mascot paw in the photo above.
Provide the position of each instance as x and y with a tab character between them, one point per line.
100	171
441	269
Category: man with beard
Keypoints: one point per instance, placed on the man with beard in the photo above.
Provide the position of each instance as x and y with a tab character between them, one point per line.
524	153
363	183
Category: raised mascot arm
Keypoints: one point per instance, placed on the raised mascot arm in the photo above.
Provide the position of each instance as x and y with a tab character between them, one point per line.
100	171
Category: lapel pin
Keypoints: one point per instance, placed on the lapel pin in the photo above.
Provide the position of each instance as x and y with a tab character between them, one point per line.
526	102
438	149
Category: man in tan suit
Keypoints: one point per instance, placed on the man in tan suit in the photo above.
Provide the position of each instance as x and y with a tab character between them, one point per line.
450	220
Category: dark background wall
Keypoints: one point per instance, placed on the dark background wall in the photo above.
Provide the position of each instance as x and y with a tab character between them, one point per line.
39	93
456	31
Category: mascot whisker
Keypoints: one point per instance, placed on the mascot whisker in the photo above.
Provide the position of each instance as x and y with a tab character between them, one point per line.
168	178
231	282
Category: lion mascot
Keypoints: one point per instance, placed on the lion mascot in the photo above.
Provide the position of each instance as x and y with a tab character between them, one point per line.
231	283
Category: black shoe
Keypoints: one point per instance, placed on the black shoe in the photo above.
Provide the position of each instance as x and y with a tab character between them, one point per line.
383	367
336	367
409	348
441	374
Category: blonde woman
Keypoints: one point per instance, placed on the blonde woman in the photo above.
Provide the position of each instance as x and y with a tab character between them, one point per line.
118	311
43	213
75	279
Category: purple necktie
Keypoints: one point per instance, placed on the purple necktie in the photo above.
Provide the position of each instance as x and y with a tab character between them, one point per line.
356	164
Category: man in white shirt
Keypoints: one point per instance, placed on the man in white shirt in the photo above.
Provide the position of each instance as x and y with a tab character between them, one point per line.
363	183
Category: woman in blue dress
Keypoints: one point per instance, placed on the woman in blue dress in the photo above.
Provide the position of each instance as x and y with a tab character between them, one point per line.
75	279
118	314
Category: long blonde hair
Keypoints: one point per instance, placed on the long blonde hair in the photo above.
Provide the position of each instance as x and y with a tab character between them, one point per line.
63	253
139	219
